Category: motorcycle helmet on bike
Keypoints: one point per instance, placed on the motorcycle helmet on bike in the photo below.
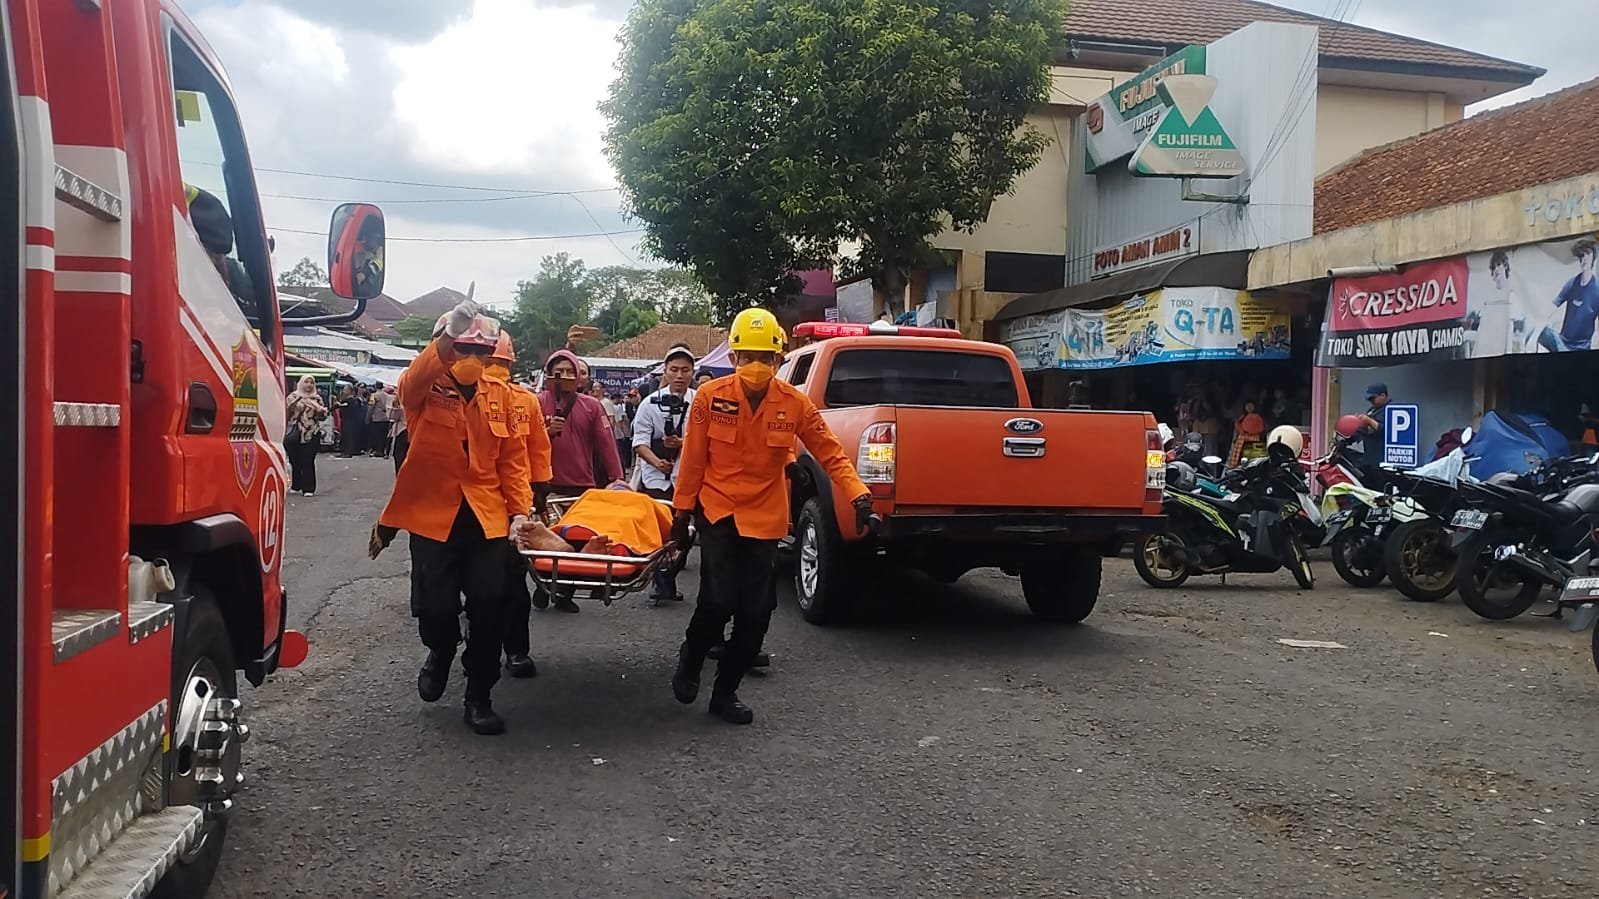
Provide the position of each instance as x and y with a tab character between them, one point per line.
1285	442
1180	476
1350	425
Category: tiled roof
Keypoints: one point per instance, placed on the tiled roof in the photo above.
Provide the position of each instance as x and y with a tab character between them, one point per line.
1515	147
1180	22
386	309
324	297
435	302
654	343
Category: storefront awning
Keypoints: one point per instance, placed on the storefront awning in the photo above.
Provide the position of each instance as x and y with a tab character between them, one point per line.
1230	269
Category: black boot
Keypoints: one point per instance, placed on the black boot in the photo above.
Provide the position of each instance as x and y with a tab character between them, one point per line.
725	703
481	717
686	680
521	665
727	707
434	676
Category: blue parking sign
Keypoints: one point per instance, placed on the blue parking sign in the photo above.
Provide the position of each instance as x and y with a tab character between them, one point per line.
1401	436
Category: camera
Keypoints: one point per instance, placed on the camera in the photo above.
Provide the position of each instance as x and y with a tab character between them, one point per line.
675	409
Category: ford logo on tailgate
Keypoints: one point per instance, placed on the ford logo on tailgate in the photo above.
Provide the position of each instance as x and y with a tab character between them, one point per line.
1024	426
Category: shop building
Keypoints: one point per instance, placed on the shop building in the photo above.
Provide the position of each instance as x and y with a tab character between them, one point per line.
1358	88
1457	269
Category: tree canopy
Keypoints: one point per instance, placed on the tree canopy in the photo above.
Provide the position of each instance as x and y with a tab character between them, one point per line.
620	301
305	273
750	136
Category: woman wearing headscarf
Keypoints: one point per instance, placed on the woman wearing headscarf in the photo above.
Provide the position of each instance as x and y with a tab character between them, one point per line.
304	435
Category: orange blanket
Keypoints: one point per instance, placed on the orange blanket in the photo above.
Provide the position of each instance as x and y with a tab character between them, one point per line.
637	524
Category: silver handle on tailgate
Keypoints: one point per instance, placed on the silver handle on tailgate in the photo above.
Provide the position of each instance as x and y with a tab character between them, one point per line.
1024	447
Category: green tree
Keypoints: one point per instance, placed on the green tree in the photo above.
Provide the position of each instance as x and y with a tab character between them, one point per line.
557	298
305	273
415	329
673	294
752	135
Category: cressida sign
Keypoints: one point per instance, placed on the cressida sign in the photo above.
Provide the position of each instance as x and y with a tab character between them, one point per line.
1398	318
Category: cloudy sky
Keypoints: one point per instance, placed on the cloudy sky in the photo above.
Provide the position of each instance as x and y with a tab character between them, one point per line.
500	95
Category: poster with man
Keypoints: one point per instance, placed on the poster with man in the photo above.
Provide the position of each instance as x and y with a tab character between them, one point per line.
1535	298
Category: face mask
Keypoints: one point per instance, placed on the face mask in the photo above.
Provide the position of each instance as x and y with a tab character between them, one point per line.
467	369
755	375
495	370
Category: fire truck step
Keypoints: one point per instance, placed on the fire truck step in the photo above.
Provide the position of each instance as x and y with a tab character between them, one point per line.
146	618
88	415
74	631
138	858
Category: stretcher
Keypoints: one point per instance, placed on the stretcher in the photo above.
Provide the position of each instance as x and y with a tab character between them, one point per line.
604	576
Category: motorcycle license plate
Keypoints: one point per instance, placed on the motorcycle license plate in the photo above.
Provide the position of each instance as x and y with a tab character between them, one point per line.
1379	516
1470	518
1580	589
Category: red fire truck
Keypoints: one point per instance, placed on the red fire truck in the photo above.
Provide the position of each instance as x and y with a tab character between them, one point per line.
142	458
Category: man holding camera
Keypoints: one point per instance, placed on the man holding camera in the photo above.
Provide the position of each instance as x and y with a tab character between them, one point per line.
658	442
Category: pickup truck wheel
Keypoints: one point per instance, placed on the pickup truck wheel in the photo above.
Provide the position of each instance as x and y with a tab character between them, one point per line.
1063	590
824	574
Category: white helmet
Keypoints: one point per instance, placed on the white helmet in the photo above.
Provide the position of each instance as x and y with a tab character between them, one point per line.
1289	437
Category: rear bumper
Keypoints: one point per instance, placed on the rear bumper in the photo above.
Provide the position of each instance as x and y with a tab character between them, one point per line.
1020	527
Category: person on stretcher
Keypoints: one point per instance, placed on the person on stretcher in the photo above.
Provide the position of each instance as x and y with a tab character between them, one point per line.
614	521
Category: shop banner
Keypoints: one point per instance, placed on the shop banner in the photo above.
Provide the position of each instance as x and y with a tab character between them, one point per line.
1528	299
1171	325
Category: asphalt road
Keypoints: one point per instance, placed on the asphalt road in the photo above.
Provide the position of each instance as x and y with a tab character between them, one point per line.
948	745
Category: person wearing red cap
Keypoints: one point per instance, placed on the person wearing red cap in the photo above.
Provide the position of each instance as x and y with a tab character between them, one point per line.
463	495
580	436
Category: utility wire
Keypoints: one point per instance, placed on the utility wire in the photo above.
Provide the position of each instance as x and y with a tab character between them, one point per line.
518	239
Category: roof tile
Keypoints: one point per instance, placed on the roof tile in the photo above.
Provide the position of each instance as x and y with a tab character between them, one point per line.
1179	22
654	343
435	302
1512	148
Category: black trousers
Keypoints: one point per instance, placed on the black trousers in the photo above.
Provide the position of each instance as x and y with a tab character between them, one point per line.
664	582
302	463
468	564
377	437
402	443
736	575
518	607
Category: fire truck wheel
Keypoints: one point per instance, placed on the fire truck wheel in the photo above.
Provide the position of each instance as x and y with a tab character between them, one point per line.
206	654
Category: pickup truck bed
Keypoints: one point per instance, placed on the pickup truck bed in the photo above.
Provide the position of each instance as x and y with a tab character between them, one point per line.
965	473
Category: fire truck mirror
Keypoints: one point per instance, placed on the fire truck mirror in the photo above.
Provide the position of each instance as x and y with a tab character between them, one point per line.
355	251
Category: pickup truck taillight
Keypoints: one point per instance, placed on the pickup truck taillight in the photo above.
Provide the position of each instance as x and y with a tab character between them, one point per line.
874	462
1154	466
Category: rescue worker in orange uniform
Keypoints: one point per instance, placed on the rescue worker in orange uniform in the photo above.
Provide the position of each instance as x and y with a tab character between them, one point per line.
463	494
742	434
527	419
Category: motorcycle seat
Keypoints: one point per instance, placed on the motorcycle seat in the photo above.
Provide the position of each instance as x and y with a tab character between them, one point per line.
1580	502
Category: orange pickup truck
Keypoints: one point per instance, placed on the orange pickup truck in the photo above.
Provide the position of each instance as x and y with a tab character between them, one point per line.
965	473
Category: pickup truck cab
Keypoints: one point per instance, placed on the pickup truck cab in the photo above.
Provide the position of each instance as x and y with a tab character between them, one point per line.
965	472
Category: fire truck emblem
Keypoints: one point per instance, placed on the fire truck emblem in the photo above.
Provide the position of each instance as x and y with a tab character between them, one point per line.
246	414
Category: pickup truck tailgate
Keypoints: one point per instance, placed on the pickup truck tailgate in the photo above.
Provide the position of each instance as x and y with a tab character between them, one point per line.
968	457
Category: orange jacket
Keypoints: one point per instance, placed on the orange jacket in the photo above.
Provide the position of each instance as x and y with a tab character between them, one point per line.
632	520
458	449
733	455
528	419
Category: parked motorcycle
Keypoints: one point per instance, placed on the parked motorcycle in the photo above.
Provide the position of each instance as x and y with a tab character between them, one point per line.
1358	516
1419	554
1255	526
1520	540
1581	594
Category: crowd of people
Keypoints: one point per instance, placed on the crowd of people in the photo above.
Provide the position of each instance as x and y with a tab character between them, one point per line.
1235	427
711	456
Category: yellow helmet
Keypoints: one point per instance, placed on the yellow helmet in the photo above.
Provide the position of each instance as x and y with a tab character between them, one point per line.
756	330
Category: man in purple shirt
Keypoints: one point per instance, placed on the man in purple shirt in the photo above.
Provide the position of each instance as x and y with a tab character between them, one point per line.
580	437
